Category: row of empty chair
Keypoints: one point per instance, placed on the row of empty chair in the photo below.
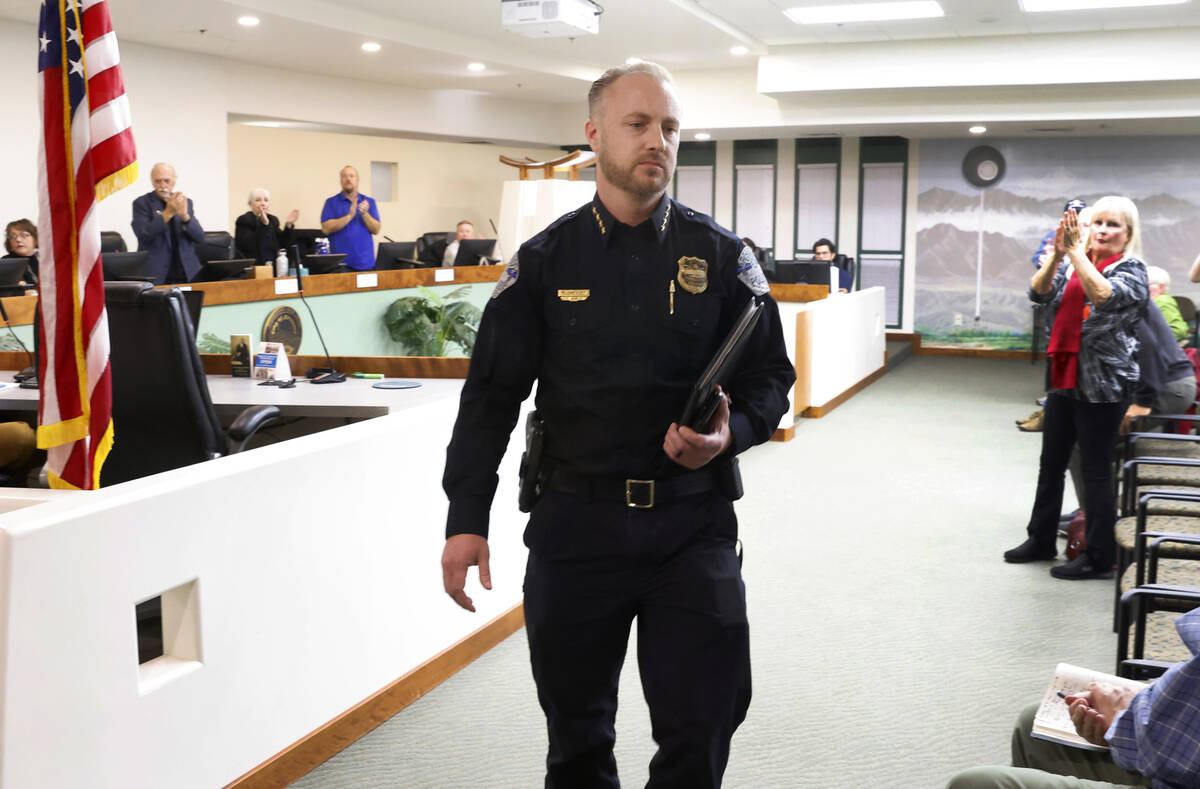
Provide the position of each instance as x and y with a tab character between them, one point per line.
1158	543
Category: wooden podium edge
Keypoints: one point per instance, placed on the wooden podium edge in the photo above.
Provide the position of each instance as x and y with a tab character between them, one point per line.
303	756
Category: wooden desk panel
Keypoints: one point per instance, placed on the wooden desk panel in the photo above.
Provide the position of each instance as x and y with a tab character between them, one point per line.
21	309
241	291
782	291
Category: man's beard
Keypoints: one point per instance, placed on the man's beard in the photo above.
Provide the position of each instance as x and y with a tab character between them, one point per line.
627	181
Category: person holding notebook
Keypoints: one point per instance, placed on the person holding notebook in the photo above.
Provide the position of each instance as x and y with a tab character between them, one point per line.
615	310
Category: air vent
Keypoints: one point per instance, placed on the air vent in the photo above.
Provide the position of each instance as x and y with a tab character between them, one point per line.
1053	129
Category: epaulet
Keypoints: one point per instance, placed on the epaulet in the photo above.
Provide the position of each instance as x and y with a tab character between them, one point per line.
692	216
544	235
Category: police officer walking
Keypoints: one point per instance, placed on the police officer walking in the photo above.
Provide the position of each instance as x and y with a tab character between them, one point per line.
615	309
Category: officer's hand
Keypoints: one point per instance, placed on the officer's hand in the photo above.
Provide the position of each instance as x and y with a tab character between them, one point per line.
463	551
691	449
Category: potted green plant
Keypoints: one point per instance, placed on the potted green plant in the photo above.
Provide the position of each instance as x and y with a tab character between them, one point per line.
425	324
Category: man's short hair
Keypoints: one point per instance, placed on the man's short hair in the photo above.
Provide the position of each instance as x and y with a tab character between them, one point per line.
596	92
1158	276
19	225
824	242
462	222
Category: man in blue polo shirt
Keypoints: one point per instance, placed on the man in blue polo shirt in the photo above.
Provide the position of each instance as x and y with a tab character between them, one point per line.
349	219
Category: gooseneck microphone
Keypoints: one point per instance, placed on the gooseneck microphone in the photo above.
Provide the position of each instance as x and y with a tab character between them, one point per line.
318	375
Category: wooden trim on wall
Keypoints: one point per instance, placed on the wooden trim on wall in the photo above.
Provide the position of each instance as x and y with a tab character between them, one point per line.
14	360
784	433
802	391
818	411
982	353
303	756
949	350
389	366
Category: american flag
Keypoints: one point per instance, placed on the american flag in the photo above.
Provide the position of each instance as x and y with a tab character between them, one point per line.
86	153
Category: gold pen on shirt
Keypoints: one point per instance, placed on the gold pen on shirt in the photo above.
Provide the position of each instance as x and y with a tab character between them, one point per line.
671	293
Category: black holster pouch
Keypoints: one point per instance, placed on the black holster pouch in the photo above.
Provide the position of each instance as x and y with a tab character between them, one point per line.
531	476
729	479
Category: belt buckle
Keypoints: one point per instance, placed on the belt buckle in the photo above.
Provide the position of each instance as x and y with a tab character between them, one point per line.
644	501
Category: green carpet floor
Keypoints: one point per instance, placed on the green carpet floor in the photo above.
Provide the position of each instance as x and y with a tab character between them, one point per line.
891	644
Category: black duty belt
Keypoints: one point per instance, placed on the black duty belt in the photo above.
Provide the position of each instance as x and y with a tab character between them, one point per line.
639	494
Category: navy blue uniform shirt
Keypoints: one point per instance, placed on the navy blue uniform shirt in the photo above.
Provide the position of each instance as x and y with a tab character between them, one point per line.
616	324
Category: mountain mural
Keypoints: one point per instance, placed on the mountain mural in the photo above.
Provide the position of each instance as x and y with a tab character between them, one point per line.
938	200
946	254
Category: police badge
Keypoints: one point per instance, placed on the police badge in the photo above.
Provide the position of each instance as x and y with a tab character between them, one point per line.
693	274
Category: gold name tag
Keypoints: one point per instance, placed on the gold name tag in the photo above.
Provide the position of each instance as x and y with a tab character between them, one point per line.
573	295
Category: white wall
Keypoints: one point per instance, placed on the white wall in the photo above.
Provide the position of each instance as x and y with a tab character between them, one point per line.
178	111
180	103
439	183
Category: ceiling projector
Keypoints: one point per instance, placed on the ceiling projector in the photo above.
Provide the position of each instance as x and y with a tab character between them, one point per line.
550	18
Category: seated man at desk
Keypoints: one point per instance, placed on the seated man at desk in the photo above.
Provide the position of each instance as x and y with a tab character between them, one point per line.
349	219
166	227
463	230
825	250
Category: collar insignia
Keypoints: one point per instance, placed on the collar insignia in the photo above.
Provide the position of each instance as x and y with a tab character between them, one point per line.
599	221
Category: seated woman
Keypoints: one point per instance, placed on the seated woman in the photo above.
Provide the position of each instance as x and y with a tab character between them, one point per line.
21	241
257	233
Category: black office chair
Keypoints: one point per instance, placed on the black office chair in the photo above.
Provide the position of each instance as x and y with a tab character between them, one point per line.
217	245
162	415
112	241
431	247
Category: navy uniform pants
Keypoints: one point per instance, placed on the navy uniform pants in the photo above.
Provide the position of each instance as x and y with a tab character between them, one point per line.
595	567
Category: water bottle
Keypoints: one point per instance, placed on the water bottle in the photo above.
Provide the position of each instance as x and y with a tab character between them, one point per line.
281	263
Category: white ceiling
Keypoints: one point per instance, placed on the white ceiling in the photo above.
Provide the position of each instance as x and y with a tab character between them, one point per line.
427	44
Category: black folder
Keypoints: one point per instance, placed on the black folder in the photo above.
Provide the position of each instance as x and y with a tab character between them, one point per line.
704	400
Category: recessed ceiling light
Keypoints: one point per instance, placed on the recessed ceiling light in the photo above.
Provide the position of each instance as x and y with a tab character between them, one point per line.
248	21
864	12
1037	6
475	67
977	129
371	46
702	136
738	50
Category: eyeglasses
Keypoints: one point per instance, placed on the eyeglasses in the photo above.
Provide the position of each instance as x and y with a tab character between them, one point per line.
19	235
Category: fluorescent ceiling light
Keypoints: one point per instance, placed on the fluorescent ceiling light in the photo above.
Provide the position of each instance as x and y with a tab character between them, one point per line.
371	46
248	21
1037	6
738	50
864	12
475	67
977	129
702	136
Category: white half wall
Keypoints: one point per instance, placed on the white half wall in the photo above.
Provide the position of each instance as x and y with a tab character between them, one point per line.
318	582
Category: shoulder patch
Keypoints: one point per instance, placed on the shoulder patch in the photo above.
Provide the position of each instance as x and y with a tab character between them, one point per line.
751	274
509	277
